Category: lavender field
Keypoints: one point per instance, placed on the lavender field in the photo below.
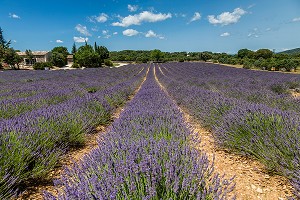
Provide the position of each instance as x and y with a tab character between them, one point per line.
44	113
149	151
249	112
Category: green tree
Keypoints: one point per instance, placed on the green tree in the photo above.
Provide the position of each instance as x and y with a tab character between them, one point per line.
58	59
3	46
242	53
29	56
3	42
59	56
74	48
87	57
12	58
205	56
157	55
103	52
263	53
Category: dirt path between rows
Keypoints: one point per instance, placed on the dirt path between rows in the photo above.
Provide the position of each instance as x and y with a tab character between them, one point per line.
34	191
252	180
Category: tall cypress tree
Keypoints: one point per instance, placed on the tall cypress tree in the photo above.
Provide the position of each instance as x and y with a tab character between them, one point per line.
74	49
3	42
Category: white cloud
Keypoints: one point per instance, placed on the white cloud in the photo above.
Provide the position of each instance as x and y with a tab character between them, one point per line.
227	18
226	34
12	15
253	35
104	32
59	41
130	32
102	18
144	16
132	8
151	33
80	39
296	19
115	33
82	29
14	41
197	16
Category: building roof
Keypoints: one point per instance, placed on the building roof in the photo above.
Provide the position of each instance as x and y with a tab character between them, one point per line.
70	56
35	53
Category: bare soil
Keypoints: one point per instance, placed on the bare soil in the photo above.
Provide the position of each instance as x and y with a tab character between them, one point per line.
251	178
34	189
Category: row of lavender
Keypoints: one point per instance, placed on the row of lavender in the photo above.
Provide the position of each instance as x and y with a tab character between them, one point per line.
244	110
28	90
33	140
146	154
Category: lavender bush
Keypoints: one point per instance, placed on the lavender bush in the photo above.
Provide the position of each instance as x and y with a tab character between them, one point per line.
34	137
147	154
251	112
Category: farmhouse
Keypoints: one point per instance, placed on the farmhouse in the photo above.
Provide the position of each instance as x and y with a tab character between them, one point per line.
38	56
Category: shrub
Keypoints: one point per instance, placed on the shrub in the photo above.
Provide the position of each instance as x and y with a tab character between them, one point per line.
247	65
75	65
108	63
42	66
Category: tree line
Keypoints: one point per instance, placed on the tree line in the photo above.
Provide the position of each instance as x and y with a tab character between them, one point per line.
85	56
95	56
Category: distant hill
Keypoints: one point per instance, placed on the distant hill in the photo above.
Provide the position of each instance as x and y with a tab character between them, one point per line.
291	51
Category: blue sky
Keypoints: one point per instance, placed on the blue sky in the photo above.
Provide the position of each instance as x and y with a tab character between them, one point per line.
168	25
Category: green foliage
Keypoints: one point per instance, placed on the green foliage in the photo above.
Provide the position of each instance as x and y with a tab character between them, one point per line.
3	43
59	56
42	65
157	55
75	65
242	53
263	53
108	63
205	56
74	48
102	52
11	58
58	59
247	64
87	57
279	88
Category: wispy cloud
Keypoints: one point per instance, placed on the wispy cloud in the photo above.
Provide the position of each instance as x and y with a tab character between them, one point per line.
14	16
227	18
106	34
101	18
152	34
226	34
251	6
80	39
59	41
296	19
132	8
138	19
130	32
115	33
197	16
82	29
